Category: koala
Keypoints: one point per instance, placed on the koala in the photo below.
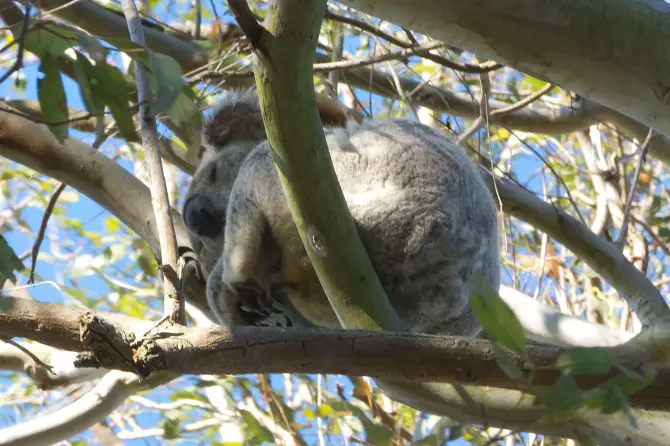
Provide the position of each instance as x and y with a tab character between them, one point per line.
423	212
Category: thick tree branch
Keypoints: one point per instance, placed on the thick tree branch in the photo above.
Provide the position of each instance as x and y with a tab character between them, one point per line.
601	255
541	323
183	350
91	408
607	42
283	70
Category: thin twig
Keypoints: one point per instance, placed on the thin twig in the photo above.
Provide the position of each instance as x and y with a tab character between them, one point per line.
344	64
338	48
621	239
655	237
198	19
173	302
32	356
367	27
465	68
35	251
18	63
248	23
83	117
483	109
476	125
523	102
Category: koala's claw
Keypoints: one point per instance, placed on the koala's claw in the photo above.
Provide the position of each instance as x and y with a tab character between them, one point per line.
253	298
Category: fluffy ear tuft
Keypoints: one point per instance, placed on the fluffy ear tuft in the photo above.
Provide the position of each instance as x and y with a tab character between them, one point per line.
237	118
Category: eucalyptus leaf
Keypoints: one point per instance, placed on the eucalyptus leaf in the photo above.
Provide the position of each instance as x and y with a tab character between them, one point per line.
498	319
116	97
254	426
167	81
9	262
586	361
52	99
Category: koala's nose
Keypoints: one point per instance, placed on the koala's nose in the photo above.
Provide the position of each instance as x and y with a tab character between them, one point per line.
202	217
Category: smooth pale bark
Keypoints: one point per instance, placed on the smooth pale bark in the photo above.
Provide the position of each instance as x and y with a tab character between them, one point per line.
611	51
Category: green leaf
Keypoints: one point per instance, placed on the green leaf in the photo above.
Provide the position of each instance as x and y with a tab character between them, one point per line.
167	80
324	410
170	428
116	97
259	431
129	47
497	318
92	93
378	435
51	94
186	118
614	401
47	40
92	46
629	382
507	363
585	438
563	397
89	85
586	361
9	262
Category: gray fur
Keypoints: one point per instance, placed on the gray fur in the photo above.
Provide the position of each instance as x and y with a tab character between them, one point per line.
423	212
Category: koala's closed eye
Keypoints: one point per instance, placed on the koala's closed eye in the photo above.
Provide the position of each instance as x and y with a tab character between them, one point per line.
202	217
212	175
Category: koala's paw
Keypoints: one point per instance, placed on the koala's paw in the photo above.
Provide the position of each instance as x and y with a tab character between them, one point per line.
252	298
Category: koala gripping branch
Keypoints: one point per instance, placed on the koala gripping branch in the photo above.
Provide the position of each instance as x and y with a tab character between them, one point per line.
283	71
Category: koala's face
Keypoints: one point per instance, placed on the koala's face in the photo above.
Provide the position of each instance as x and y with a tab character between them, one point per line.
228	136
205	207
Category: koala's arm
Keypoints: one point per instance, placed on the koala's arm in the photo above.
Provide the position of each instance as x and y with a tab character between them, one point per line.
250	256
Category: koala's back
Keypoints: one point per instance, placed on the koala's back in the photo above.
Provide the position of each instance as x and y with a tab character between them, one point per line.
424	214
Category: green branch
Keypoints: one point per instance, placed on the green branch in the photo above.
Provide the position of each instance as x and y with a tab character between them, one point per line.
283	69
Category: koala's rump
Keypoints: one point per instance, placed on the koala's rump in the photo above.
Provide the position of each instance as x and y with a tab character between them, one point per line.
427	222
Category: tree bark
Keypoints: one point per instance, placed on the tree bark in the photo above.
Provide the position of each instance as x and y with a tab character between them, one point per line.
611	51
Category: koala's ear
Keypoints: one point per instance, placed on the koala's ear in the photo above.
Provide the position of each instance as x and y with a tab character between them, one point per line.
333	113
238	118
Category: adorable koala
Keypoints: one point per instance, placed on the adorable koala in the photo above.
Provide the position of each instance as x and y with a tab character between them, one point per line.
424	215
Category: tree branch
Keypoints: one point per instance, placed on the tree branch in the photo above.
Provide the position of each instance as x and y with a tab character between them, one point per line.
186	350
246	20
601	255
605	41
91	408
283	70
173	302
62	371
544	325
